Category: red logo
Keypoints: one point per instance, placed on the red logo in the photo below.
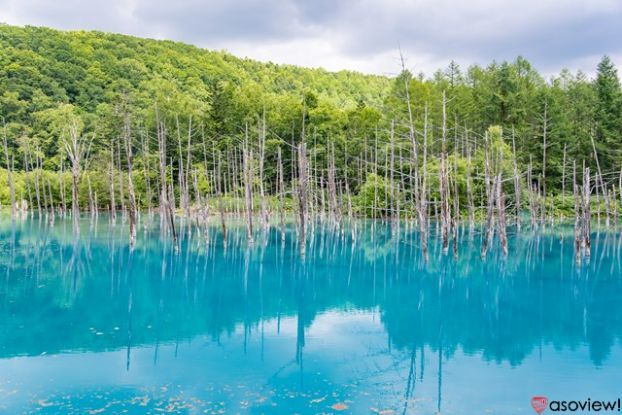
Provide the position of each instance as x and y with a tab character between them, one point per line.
539	403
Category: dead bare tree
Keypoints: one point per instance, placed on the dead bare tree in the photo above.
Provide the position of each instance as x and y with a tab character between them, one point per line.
332	187
302	195
490	196
146	169
167	217
517	198
121	186
281	191
127	136
578	232
421	198
411	128
469	186
599	180
113	203
444	185
221	208
586	213
76	147
500	199
262	155
248	191
9	169
545	128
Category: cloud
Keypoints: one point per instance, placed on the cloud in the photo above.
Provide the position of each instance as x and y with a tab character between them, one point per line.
357	34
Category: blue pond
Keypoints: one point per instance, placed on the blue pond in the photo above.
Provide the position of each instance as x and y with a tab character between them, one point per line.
360	325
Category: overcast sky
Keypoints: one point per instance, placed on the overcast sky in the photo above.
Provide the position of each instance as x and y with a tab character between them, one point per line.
362	35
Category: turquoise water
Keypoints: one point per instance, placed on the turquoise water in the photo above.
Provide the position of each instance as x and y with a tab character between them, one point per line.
88	327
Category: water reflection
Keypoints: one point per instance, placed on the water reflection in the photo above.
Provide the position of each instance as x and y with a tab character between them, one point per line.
358	326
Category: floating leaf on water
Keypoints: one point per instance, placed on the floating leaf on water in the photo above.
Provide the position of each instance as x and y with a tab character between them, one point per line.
318	400
382	411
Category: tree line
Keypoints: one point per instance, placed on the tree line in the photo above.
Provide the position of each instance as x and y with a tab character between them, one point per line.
111	120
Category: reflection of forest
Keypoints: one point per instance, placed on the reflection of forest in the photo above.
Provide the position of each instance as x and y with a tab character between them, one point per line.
57	294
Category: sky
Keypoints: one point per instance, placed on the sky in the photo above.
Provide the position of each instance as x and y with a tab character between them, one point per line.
361	35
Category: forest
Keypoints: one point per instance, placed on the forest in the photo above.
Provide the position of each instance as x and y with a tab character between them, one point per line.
123	123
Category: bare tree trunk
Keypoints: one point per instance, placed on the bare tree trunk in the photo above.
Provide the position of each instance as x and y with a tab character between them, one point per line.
533	203
281	191
188	168
500	198
170	205
162	158
34	169
75	147
391	171
121	187
27	180
9	170
564	174
113	203
127	134
578	238
456	198
248	192
487	166
167	218
599	179
181	175
44	192
444	185
411	129
614	206
545	122
332	187
233	171
586	213
206	170
91	201
62	187
421	198
517	198
201	217
302	195
51	198
262	155
469	190
347	187
220	204
490	194
145	152
37	183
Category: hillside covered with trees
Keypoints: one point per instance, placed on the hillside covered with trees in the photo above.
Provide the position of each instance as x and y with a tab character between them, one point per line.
154	109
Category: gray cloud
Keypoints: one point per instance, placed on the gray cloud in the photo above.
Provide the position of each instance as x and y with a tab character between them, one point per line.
356	34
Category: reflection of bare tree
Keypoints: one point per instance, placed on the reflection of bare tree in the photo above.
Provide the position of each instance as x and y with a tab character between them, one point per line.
202	291
300	326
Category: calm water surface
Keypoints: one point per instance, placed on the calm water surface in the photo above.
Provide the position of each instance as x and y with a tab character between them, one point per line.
88	327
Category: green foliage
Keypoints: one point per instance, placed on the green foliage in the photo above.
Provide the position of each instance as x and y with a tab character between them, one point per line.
608	112
103	83
375	194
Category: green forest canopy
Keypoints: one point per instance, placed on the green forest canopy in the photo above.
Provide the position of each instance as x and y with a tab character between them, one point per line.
48	77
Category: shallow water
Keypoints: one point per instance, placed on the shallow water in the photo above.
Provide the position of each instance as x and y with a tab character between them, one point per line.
88	327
